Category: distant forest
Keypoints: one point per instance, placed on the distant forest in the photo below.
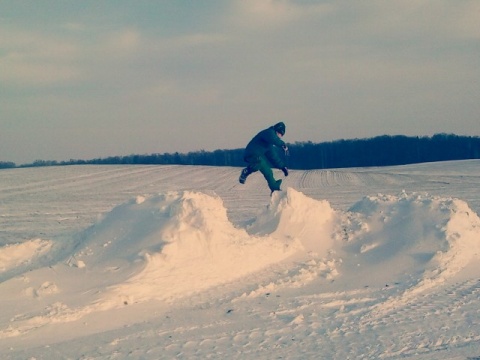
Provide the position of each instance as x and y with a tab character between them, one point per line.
377	151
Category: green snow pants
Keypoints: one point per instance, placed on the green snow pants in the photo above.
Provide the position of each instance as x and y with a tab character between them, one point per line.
261	163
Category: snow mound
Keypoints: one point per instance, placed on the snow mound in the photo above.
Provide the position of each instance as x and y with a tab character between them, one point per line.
292	215
178	243
425	238
184	243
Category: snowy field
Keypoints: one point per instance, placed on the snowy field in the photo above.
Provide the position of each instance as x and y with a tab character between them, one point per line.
182	262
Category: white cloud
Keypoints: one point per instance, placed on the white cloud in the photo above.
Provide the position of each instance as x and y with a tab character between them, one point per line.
468	20
122	42
416	20
32	59
268	13
25	73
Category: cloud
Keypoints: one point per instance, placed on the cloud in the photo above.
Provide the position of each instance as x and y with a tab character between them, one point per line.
274	13
24	73
122	42
466	20
33	59
415	20
269	11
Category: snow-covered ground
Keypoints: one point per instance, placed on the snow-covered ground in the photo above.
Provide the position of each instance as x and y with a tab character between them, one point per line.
164	262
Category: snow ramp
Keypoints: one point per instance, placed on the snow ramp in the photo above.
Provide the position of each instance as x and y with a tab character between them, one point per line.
293	216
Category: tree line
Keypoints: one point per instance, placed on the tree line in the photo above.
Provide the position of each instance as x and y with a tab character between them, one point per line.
377	151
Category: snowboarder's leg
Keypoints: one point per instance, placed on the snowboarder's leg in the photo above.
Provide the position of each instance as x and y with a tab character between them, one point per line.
277	188
268	174
260	163
253	166
274	158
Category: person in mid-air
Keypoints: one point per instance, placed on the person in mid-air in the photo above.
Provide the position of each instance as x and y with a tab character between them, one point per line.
261	154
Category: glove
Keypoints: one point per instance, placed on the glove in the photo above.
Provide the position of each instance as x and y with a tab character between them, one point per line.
285	171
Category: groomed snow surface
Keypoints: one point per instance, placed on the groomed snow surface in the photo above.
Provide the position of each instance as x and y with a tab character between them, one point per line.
165	262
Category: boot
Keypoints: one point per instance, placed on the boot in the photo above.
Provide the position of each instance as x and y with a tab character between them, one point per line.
243	175
276	187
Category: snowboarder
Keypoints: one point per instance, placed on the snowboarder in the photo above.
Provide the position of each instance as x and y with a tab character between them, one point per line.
261	155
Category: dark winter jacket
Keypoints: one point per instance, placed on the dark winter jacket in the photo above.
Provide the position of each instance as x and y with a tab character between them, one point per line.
263	144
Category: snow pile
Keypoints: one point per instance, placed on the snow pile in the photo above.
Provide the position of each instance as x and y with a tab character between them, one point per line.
292	215
414	237
180	243
185	243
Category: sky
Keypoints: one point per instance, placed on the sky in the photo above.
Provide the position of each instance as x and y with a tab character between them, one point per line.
89	79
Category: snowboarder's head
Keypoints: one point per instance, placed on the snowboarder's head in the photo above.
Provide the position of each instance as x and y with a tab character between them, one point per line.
279	128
